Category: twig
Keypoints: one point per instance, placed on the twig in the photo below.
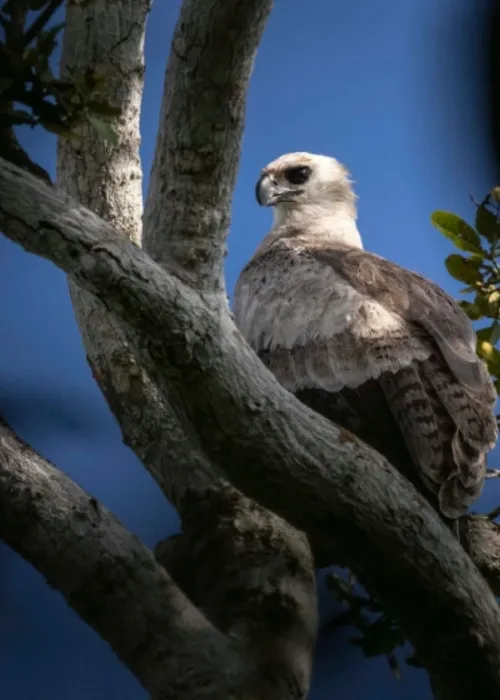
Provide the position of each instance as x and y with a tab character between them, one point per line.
41	21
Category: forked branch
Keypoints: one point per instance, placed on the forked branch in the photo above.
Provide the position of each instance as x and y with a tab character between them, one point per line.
107	576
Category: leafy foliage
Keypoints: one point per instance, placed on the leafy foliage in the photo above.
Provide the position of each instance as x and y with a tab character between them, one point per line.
379	633
479	268
30	94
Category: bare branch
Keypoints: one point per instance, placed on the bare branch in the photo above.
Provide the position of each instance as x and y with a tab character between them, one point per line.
351	501
41	20
110	579
187	212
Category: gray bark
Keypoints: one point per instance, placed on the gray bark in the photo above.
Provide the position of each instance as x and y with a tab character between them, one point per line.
199	139
108	179
200	410
106	575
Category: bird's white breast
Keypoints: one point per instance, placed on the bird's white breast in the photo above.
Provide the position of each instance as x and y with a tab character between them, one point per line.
319	329
290	299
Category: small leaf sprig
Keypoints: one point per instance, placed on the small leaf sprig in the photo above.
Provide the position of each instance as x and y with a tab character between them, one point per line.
30	93
479	268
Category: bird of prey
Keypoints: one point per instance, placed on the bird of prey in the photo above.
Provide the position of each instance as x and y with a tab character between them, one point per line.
374	347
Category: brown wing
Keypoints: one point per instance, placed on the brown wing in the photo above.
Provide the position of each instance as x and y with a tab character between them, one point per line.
418	300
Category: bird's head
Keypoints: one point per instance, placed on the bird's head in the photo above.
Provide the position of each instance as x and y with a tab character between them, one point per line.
298	182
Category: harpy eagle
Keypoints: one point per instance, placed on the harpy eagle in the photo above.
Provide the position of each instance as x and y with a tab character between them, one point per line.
374	347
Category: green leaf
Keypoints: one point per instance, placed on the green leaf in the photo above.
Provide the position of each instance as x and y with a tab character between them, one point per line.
481	302
493	302
103	128
471	309
487	224
457	230
484	334
495	334
463	269
492	356
382	637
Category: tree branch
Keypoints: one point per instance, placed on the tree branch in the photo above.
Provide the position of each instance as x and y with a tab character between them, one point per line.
110	579
41	20
187	212
114	584
351	501
276	571
109	37
481	539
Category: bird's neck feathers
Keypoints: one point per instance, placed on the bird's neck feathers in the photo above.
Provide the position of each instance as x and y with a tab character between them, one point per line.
335	222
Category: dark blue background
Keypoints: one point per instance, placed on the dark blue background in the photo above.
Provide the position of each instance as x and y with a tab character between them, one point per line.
393	89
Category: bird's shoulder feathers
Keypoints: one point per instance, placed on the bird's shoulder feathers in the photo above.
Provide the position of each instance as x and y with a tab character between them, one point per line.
295	292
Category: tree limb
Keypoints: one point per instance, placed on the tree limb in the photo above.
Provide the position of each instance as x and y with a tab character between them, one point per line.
110	579
348	498
108	36
114	584
187	212
480	537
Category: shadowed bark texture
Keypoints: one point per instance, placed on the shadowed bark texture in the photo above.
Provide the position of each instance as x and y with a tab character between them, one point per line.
262	484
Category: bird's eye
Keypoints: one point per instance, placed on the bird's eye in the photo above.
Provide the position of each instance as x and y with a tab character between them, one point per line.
298	175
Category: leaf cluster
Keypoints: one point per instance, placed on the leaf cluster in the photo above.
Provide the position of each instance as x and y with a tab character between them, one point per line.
478	266
379	635
30	94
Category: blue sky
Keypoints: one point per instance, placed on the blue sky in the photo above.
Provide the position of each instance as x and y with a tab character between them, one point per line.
394	90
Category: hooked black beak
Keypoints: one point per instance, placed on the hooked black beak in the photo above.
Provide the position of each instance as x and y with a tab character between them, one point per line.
268	193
